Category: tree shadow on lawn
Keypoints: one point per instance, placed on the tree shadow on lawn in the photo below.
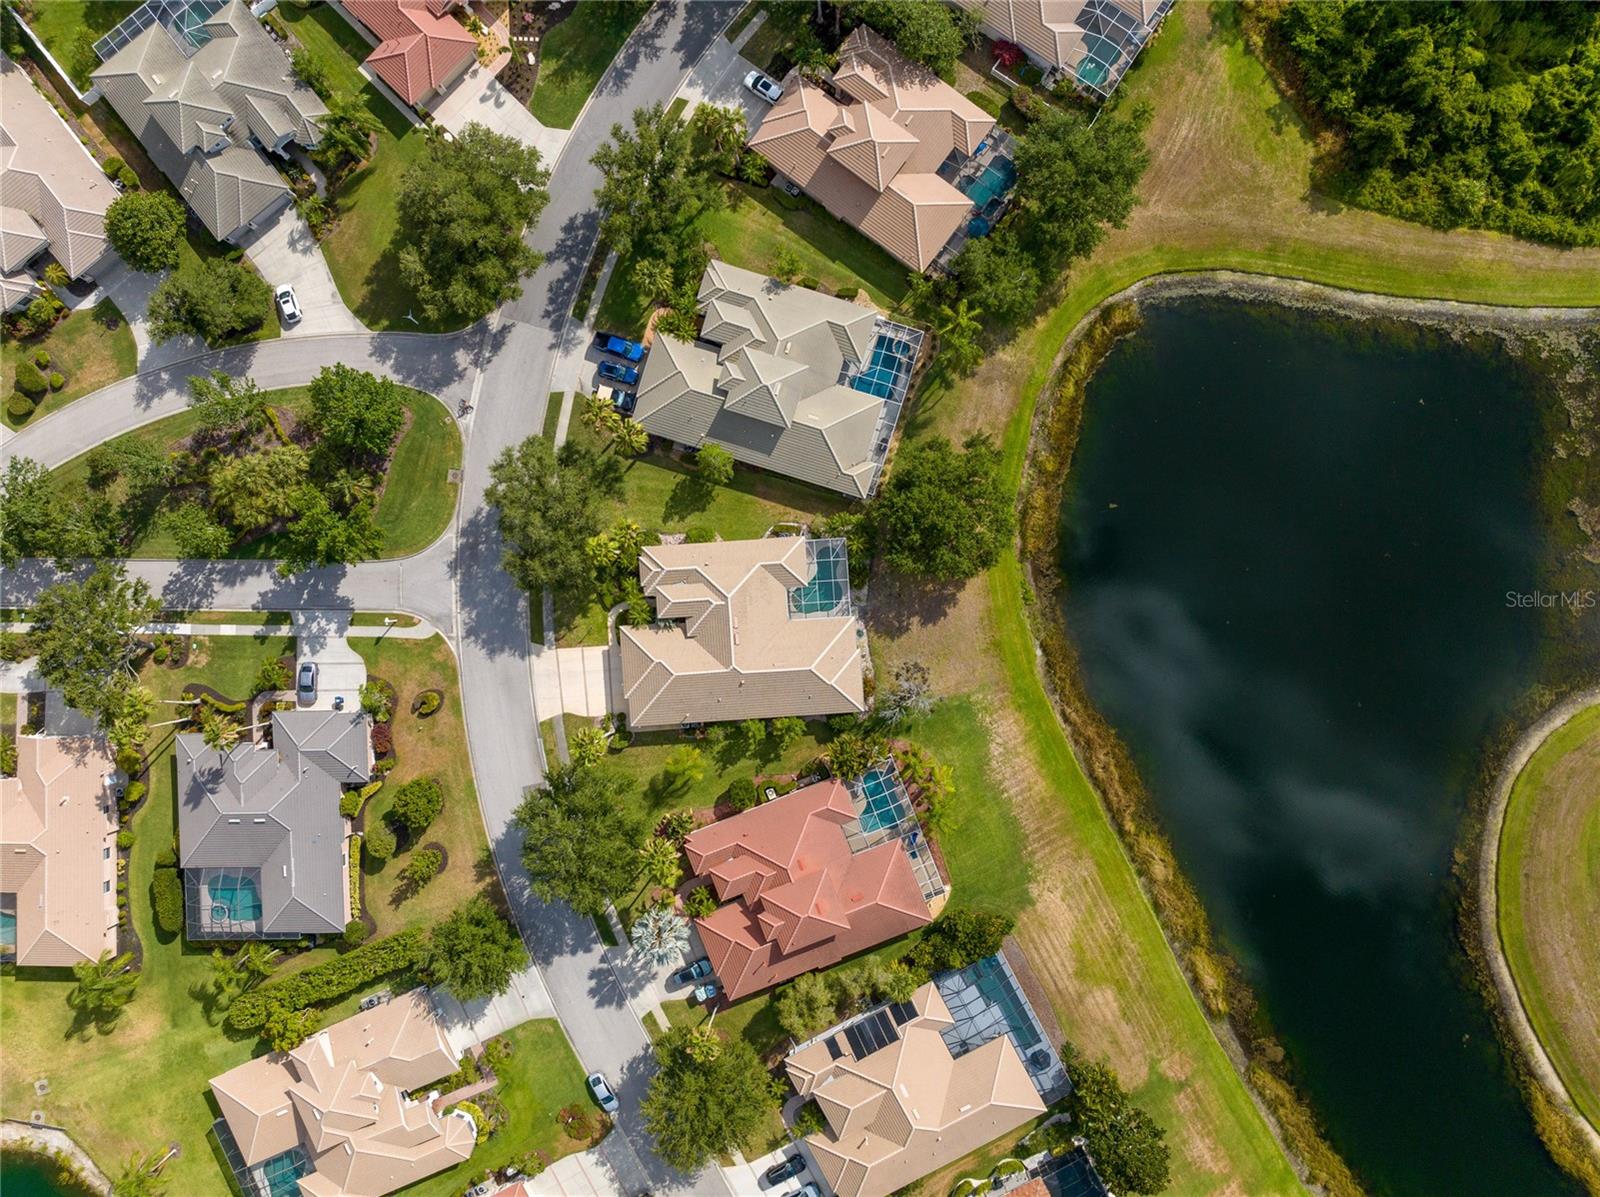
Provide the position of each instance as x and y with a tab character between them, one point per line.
901	604
690	496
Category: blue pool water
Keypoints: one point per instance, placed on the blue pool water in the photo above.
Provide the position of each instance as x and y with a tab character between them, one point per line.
884	807
994	182
234	896
992	982
1095	68
829	584
8	929
886	370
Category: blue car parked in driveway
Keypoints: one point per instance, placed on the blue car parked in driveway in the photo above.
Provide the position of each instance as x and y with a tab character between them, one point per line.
617	372
618	346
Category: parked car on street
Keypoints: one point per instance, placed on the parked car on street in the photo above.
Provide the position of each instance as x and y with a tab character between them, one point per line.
765	88
618	346
602	1094
306	685
704	993
288	305
793	1166
617	372
691	973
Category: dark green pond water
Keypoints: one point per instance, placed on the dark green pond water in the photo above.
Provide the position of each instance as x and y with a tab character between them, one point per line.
23	1176
1288	543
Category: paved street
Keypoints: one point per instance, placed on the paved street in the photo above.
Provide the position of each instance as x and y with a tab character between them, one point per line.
503	367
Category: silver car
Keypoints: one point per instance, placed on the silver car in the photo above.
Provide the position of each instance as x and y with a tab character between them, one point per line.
306	684
603	1097
764	87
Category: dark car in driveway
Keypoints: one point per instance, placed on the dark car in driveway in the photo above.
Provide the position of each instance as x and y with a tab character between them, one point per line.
618	346
793	1166
691	973
617	372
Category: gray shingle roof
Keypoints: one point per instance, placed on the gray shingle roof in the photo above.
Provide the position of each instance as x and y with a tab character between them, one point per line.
276	810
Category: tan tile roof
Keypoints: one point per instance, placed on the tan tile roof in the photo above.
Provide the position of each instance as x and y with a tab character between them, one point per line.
58	859
796	898
46	173
872	160
910	1107
338	1096
725	646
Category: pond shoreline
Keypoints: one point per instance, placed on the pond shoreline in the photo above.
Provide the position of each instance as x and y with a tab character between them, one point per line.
1213	977
44	1142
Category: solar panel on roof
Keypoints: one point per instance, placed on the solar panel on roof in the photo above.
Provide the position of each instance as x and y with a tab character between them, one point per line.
835	1052
858	1044
902	1012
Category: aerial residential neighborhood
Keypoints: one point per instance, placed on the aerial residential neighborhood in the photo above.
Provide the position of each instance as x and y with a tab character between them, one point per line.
607	598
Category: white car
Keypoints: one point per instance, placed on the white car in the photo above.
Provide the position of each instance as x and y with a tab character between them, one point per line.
287	304
765	88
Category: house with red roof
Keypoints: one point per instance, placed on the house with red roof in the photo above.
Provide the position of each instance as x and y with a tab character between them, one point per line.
795	897
421	51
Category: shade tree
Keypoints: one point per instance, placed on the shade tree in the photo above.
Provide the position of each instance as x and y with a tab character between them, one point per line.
146	229
549	502
580	837
475	952
701	1105
86	635
946	513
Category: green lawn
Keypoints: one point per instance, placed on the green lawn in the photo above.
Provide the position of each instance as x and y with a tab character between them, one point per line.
575	54
61	23
749	232
83	347
360	249
1548	885
766	47
416	506
740	22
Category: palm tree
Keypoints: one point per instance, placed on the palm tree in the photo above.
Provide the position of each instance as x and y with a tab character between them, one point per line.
141	1176
56	275
632	437
596	412
347	129
660	859
347	488
660	935
959	322
256	959
104	986
218	732
653	278
702	1044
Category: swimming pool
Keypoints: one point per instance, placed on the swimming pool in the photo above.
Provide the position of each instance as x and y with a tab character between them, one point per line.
883	801
828	592
887	369
997	179
8	929
234	898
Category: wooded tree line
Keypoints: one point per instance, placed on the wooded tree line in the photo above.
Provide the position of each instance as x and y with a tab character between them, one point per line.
1481	115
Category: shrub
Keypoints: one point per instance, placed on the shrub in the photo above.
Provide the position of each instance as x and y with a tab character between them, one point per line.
423	867
166	897
375	701
741	793
957	938
382	739
128	178
700	534
417	805
809	281
19	406
381	769
129	761
167	858
29	381
273	675
132	795
847	292
125	838
41	358
355	933
428	704
112	166
57	380
350	803
329	982
355	876
380	843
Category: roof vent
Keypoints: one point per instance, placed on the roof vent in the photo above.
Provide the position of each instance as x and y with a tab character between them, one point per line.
232	820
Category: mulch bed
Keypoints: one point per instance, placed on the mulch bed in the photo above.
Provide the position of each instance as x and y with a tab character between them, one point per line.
416	704
444	857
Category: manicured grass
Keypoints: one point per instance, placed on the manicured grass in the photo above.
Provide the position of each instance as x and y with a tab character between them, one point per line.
83	347
740	22
239	618
765	47
758	223
575	54
414	509
552	415
60	24
433	747
542	1077
360	250
1548	884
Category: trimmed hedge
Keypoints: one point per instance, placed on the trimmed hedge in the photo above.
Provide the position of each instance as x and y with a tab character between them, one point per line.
29	381
329	982
19	406
355	882
167	897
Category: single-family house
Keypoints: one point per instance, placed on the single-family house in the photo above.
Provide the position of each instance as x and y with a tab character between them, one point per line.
785	378
878	149
263	847
342	1114
1092	42
208	103
744	629
53	194
898	1104
58	852
795	895
420	50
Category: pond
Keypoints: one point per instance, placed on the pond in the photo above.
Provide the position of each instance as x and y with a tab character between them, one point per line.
27	1175
1288	542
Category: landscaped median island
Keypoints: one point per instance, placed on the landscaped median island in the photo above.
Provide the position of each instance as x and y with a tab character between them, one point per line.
349	467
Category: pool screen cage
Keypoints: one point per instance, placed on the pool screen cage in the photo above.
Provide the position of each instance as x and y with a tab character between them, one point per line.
181	18
1112	39
884	813
225	904
275	1177
886	374
827	594
986	1002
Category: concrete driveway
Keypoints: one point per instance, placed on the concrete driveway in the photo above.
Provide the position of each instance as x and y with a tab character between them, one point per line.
286	252
319	637
718	78
478	96
580	681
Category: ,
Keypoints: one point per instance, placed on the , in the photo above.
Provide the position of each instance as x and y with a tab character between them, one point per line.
617	372
601	1092
765	88
618	346
287	304
306	685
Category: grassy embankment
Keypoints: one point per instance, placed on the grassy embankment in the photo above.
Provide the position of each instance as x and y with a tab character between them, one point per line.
1548	885
414	507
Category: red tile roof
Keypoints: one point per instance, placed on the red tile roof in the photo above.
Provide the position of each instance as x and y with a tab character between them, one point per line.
419	50
795	897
